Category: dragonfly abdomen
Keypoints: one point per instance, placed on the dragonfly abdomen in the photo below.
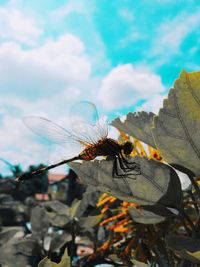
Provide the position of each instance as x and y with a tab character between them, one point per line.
89	153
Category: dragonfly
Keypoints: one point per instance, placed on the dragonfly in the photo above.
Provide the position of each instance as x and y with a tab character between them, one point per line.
89	132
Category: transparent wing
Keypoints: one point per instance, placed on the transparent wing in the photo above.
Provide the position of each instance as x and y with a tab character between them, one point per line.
84	133
86	124
49	130
102	127
91	134
84	112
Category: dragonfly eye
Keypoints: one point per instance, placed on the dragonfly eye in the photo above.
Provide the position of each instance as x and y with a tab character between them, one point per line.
128	147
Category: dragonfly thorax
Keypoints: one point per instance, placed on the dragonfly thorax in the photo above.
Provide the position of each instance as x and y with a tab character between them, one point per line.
127	148
106	147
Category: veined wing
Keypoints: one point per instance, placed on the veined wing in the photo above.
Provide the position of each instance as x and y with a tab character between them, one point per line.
85	123
100	129
51	131
91	134
102	126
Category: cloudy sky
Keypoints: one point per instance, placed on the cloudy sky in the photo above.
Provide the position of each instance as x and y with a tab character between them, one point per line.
121	55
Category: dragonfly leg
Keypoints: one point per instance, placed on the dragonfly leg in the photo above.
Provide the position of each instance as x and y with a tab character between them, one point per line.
115	170
116	174
129	166
119	164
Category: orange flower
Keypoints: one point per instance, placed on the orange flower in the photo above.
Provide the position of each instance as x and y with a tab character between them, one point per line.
121	214
121	229
105	198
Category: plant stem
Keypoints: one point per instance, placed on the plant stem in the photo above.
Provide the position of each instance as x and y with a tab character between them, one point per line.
73	229
186	218
194	202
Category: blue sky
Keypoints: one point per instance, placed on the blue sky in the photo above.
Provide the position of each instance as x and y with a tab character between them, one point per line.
121	55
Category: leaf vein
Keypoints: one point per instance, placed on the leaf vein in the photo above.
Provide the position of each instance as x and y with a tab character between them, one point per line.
169	133
188	137
153	182
190	89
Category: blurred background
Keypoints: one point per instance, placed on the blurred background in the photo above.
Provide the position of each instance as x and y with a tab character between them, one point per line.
121	55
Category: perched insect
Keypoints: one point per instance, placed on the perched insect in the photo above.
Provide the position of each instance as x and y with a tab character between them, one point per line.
93	137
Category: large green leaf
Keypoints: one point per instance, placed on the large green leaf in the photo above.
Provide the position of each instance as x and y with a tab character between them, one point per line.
17	251
187	247
8	233
57	206
28	246
175	130
58	220
58	213
177	127
194	257
89	221
183	243
74	208
39	222
139	263
138	125
154	182
59	240
89	199
47	263
65	262
144	216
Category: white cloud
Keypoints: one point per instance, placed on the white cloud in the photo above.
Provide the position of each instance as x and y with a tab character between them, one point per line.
153	104
56	65
42	81
125	85
65	19
20	146
67	9
127	14
19	27
16	145
172	32
131	37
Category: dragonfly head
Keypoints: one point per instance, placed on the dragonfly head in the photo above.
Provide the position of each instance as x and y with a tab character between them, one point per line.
127	147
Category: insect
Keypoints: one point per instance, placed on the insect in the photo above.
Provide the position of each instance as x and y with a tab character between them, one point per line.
93	137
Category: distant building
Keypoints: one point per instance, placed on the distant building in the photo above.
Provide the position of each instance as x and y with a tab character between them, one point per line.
66	191
53	178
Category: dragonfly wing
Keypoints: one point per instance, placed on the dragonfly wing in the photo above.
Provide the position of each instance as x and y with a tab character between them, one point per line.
49	130
85	123
102	127
84	112
91	134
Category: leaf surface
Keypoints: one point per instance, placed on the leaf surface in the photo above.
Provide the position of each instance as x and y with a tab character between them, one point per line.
139	263
59	240
138	125
89	221
39	222
58	213
7	234
145	189
144	216
65	262
27	246
74	208
187	247
183	243
177	127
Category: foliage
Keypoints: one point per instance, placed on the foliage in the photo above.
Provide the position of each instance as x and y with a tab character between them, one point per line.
145	218
174	132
